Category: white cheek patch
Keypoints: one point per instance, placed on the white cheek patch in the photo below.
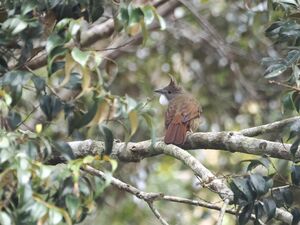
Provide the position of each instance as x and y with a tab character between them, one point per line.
163	100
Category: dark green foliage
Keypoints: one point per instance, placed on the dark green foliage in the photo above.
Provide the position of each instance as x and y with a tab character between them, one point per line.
51	106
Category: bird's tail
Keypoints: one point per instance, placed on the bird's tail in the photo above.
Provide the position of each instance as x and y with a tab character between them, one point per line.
176	131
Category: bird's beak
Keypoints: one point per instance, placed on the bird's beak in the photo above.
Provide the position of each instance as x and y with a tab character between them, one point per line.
160	91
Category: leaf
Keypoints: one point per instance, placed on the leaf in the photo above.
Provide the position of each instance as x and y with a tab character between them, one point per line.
295	174
64	149
295	130
5	219
263	161
258	210
245	215
55	216
80	56
296	101
39	83
15	78
296	216
53	42
86	81
287	195
241	190
148	14
108	139
27	7
69	65
135	16
287	100
269	208
134	121
295	146
292	57
73	204
14	119
51	106
258	184
275	70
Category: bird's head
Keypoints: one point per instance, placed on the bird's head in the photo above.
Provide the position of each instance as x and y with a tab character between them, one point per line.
169	92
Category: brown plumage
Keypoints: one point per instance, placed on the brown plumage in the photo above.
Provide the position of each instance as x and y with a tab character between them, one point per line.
182	115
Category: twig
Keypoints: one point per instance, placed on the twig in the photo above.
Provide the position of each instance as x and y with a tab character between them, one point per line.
284	85
27	117
157	214
222	212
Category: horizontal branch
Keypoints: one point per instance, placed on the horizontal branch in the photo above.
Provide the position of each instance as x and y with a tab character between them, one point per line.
271	127
226	141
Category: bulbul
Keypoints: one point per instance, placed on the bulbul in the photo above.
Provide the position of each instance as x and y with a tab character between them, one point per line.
182	115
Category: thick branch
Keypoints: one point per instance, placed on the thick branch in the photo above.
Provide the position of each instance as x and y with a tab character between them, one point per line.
227	141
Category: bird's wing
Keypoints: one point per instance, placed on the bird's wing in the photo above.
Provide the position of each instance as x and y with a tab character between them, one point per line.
190	109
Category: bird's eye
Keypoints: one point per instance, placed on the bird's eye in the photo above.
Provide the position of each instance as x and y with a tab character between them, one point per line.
169	92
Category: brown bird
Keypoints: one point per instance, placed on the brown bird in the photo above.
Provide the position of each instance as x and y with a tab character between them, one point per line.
183	113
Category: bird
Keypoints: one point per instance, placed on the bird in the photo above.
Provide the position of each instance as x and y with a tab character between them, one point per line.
182	115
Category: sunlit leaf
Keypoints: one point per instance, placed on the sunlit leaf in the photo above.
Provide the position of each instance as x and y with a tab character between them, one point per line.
134	121
80	57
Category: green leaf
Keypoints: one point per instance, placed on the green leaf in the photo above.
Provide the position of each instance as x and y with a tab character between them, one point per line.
135	16
5	219
292	57
15	78
55	216
28	6
148	14
245	215
73	204
295	174
296	216
287	100
134	121
14	119
53	42
39	83
37	210
275	70
51	106
269	208
295	146
108	139
294	130
287	195
258	184
80	56
64	149
241	189
263	161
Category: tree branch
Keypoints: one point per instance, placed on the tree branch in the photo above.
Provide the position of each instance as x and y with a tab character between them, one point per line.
157	214
226	141
281	214
278	125
222	212
99	32
207	177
